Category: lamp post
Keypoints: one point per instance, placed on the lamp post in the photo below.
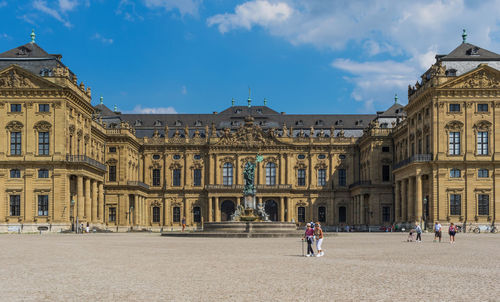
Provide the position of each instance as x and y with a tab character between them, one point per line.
425	213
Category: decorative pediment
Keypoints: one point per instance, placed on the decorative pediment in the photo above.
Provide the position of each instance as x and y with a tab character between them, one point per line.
226	159
482	125
247	159
111	161
249	135
72	129
42	126
175	166
454	125
196	165
155	203
386	161
483	77
300	166
16	78
14	126
321	165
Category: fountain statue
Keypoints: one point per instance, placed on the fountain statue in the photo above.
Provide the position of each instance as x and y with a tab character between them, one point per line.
250	211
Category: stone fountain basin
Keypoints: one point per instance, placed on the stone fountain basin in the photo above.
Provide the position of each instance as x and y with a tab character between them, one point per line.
250	227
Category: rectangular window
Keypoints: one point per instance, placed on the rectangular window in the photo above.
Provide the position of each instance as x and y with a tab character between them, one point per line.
301	214
176	214
420	146
386	149
197	214
112	173
321	177
156	177
386	214
483	173
455	173
43	108
301	177
227	174
15	173
455	204
43	173
482	143
15	107
427	144
386	173
156	214
197	177
454	143
342	177
176	180
483	204
15	205
454	107
112	214
112	149
43	205
482	107
43	143
412	149
15	143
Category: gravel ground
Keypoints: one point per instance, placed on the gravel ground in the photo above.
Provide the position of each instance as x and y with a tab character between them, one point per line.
148	267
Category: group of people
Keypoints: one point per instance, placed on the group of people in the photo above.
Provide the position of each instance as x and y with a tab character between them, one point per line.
314	232
452	231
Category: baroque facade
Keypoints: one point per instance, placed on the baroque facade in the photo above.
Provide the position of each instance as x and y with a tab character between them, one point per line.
65	161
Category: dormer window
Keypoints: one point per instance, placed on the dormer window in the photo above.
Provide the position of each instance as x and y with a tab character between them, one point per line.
237	111
384	125
235	123
138	123
178	123
259	111
473	51
299	123
157	123
451	72
198	123
319	123
359	123
339	123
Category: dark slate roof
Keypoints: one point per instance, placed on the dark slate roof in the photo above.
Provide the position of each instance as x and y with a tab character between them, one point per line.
31	57
469	52
396	110
103	110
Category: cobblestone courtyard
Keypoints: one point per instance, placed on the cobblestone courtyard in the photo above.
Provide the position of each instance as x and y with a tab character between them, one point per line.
147	267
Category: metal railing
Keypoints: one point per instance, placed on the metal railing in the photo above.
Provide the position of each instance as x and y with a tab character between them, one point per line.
138	184
87	160
360	183
418	158
240	187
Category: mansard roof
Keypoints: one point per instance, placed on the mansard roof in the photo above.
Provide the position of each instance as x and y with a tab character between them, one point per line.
396	110
469	52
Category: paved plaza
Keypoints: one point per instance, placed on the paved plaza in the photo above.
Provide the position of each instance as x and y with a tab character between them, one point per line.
148	267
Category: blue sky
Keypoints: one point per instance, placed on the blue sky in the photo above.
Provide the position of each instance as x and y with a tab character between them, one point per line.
194	56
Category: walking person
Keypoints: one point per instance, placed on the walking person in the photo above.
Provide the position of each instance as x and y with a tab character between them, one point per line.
183	223
437	231
418	229
318	233
452	231
87	229
309	236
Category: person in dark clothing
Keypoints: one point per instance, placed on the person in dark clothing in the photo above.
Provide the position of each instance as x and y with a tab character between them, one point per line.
309	236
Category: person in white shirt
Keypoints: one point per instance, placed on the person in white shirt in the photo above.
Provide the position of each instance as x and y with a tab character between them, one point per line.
418	229
437	231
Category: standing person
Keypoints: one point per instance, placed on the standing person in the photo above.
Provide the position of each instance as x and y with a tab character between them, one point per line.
419	232
183	223
437	231
309	235
452	231
87	229
318	233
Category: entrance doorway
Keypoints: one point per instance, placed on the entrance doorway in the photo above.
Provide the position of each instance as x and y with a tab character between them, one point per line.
227	209
271	209
342	215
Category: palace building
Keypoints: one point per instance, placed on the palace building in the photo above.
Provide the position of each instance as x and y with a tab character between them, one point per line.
66	162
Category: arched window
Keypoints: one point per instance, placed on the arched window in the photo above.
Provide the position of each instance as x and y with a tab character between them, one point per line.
197	214
270	174
227	174
301	214
156	214
322	214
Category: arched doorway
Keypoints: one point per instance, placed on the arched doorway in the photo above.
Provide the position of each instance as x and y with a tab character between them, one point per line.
342	215
227	209
271	208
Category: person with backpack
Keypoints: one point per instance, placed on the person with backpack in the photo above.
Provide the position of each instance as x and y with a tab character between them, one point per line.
309	236
418	229
318	234
452	230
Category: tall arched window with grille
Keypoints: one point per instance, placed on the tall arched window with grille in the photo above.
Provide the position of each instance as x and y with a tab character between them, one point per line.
270	174
227	174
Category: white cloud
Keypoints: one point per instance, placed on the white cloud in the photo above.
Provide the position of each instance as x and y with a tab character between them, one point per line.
127	9
409	33
42	6
3	3
248	14
67	5
185	7
153	110
102	39
184	90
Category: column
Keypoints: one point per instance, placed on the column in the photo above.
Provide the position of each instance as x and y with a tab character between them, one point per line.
88	200
94	201
289	210
217	209
411	194
209	209
362	209
404	200
418	201
397	201
101	202
79	198
282	209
